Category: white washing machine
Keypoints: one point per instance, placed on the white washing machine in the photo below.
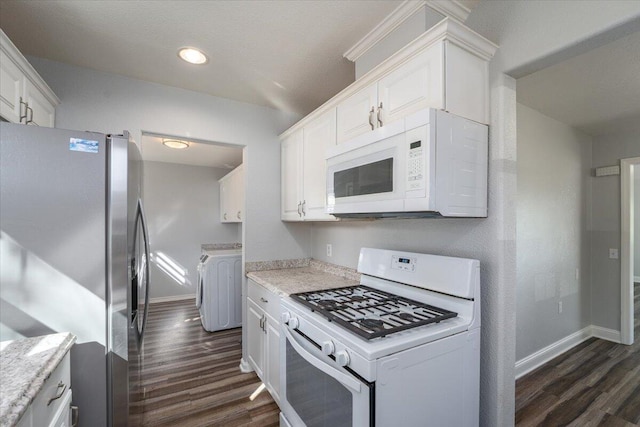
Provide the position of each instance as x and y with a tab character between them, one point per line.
219	292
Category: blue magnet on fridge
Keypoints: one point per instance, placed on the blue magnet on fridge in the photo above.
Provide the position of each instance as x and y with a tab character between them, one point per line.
84	145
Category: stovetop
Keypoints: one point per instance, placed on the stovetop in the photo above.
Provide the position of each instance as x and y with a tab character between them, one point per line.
371	313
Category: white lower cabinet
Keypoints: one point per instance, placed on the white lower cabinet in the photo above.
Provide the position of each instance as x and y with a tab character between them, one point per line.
51	407
263	336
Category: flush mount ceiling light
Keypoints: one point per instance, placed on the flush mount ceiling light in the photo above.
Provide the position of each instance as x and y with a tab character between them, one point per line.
175	143
193	55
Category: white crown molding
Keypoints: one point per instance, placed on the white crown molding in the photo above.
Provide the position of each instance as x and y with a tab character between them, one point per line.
400	14
449	8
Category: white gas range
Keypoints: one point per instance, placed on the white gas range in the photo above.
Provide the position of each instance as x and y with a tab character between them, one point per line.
403	347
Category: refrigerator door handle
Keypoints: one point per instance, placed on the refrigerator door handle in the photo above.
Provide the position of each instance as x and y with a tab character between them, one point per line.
147	254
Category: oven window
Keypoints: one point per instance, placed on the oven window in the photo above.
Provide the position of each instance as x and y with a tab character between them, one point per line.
317	398
372	178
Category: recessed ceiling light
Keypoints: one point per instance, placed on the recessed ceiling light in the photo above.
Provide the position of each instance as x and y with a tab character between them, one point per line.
175	143
193	55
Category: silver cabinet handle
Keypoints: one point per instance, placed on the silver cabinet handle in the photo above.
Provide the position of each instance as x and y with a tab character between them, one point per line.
26	107
239	215
31	115
371	113
224	216
75	416
380	115
304	205
264	324
263	299
62	386
261	322
299	206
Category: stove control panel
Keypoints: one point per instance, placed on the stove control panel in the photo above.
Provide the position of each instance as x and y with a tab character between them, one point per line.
403	263
328	347
342	358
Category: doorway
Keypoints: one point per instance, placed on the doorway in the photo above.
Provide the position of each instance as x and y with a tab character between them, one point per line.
630	250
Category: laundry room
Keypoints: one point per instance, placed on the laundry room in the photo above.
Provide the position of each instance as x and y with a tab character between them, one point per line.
187	184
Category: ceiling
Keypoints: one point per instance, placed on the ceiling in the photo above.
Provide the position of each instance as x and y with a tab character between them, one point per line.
597	92
199	153
277	53
288	54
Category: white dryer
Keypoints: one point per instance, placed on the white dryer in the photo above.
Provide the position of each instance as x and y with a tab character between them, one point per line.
219	292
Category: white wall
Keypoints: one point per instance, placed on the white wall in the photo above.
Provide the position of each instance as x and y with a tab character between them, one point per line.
104	102
605	230
182	204
553	209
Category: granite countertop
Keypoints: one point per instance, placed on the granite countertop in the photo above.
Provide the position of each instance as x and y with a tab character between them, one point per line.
24	366
293	276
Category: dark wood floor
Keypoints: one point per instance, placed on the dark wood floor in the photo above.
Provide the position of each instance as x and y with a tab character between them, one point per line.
191	377
597	383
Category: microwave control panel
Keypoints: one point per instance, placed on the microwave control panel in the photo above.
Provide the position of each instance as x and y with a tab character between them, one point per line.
415	166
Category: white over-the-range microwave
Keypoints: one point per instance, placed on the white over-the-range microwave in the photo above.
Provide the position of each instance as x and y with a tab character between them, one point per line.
431	163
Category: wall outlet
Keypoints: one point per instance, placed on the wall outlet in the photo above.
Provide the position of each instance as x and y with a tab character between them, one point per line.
559	307
329	250
613	253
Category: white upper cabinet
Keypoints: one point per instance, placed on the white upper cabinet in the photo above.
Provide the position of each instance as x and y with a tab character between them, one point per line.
303	168
24	96
444	68
232	196
415	85
318	136
291	177
356	114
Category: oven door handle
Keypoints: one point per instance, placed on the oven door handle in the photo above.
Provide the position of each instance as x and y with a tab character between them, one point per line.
324	367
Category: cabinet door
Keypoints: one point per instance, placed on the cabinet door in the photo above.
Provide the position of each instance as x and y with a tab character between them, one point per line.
273	358
11	89
225	215
353	113
237	185
255	337
415	85
42	112
291	177
318	137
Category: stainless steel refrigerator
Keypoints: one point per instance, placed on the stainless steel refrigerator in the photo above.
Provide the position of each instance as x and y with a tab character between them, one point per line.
74	257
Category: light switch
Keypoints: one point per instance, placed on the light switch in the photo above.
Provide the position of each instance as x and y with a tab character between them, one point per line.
613	253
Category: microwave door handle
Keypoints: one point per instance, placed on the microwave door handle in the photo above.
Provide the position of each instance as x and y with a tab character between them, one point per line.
371	114
327	369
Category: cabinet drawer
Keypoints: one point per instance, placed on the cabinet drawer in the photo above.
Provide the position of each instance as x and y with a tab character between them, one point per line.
265	299
44	410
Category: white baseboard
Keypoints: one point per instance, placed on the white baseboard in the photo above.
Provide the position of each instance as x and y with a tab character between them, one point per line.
171	298
542	356
606	334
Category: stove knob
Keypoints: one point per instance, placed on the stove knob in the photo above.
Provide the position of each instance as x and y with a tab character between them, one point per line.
328	348
285	317
342	358
294	323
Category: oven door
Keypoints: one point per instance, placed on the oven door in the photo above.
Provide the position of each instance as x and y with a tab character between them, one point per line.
315	391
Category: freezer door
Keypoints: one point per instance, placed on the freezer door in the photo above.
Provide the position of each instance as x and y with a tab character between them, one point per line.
52	249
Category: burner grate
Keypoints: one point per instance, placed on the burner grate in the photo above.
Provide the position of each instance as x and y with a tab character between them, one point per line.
371	313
